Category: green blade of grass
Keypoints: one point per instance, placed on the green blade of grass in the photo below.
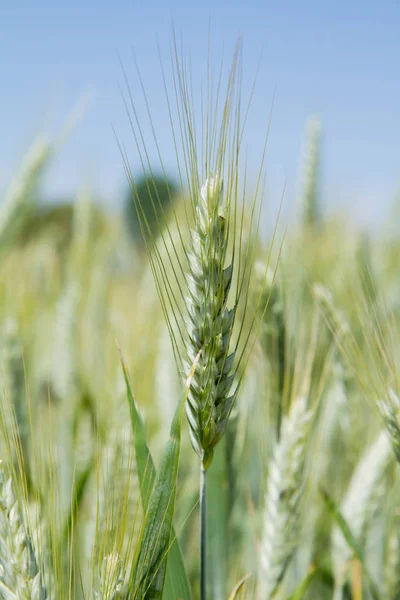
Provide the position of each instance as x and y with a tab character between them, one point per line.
238	587
352	542
144	462
176	580
303	586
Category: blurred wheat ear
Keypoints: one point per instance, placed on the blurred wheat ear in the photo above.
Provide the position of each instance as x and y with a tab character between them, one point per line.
283	499
309	195
20	577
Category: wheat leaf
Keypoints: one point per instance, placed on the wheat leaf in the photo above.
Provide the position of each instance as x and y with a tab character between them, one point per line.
239	587
176	581
303	586
352	542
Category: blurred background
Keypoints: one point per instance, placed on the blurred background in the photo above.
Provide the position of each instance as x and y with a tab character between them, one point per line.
336	60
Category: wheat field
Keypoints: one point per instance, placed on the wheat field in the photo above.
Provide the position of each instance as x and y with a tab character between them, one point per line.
204	412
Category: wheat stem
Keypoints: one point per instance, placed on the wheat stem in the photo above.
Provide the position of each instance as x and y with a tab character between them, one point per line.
203	534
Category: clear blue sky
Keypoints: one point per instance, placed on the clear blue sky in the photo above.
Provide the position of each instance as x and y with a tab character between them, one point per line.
340	60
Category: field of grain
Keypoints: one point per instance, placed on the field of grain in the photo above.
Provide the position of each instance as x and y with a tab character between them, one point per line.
190	409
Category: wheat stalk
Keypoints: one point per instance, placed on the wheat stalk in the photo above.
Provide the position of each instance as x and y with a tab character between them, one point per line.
194	285
209	330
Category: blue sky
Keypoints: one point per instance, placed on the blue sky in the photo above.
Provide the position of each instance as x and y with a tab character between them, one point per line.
339	60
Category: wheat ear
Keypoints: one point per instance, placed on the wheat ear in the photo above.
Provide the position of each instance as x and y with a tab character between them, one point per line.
210	323
111	578
20	578
309	194
209	329
283	499
389	408
20	192
363	497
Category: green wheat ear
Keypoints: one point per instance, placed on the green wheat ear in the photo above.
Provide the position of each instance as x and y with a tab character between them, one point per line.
194	277
210	323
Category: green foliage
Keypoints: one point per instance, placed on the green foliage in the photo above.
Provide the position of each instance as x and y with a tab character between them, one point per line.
155	195
177	585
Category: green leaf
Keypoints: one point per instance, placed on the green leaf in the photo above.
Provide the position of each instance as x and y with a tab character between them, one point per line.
303	586
238	587
350	539
176	579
